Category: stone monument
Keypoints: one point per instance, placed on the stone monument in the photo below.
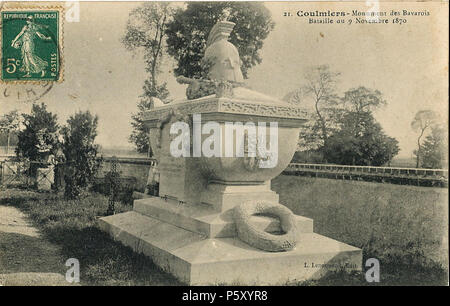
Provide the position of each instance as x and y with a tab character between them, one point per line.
216	219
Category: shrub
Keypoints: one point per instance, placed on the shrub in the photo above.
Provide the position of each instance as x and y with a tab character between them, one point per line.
80	152
39	137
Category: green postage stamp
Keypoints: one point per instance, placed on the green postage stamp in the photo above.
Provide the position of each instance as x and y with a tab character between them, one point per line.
31	44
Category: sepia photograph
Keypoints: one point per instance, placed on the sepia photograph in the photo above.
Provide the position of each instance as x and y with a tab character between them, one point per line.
224	144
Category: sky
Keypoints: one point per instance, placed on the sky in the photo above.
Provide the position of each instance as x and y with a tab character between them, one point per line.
408	63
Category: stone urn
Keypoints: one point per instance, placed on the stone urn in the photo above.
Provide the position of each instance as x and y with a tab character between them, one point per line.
276	120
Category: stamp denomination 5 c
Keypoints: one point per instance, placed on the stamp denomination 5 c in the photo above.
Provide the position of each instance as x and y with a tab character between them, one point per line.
31	39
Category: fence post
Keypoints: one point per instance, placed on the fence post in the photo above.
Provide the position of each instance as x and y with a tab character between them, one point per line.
113	178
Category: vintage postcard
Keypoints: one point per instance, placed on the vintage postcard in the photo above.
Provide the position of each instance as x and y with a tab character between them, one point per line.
239	143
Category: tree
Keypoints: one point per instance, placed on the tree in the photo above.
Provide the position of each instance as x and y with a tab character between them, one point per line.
362	99
421	122
39	138
9	123
353	122
434	148
309	137
80	153
321	86
360	141
146	32
139	135
342	129
187	33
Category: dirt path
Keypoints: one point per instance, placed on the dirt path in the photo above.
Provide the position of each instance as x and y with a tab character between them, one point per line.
25	257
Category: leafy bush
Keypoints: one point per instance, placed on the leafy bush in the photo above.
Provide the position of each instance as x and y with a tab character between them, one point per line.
80	152
360	141
39	138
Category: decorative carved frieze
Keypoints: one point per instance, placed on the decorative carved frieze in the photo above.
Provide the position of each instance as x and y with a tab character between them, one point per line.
225	105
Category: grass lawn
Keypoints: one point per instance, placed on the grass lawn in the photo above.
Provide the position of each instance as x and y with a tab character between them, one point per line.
71	225
404	227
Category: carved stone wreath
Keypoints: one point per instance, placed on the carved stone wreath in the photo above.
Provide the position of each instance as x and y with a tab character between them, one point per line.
261	239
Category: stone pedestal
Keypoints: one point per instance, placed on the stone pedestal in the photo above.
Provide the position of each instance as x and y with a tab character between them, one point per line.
189	230
198	245
224	197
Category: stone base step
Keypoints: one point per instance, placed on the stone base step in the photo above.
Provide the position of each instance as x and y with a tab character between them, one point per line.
205	220
197	260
